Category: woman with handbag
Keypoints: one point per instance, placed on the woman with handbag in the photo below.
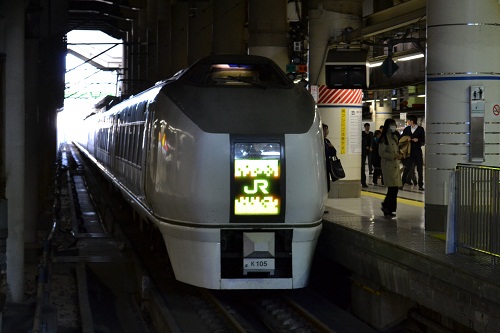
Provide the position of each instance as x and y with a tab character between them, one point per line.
330	151
390	160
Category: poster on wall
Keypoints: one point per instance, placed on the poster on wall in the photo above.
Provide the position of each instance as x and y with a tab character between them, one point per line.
354	120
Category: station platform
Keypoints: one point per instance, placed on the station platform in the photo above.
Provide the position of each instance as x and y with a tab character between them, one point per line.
397	266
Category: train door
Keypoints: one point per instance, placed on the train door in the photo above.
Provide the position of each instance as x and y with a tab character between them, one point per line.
140	140
150	147
112	140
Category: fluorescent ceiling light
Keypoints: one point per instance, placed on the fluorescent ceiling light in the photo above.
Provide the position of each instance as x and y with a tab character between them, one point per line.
411	57
375	64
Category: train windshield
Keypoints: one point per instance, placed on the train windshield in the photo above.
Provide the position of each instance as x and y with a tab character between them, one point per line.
261	75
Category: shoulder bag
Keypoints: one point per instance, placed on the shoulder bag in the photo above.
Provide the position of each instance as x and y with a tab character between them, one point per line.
336	167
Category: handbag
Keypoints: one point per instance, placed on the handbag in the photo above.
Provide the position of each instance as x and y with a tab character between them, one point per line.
405	146
336	167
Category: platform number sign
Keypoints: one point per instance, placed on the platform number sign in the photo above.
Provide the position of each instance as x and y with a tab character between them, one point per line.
257	179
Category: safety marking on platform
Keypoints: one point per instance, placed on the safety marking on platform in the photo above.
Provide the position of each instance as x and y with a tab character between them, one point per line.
401	200
439	235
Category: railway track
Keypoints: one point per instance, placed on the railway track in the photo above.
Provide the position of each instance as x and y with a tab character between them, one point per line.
125	283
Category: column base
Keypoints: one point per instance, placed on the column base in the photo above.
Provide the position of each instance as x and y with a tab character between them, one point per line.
345	189
436	217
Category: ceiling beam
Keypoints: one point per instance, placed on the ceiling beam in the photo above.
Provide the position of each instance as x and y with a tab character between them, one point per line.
389	19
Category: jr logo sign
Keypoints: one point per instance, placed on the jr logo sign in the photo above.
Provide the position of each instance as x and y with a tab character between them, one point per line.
257	184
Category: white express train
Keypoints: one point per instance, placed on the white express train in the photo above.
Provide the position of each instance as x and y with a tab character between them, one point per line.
226	159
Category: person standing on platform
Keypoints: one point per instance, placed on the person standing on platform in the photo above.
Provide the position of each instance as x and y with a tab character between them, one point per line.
417	135
366	149
377	171
330	151
390	158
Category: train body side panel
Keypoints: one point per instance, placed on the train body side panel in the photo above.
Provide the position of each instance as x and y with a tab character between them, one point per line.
305	175
188	175
126	141
103	140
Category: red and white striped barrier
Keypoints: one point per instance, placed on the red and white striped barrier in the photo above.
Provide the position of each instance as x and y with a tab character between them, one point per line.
339	96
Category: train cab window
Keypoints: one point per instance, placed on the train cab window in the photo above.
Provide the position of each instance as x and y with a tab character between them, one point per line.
237	74
244	75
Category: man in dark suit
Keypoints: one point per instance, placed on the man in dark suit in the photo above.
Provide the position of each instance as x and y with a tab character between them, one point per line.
417	135
366	152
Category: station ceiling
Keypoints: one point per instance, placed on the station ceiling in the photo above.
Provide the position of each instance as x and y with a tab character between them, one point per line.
396	25
113	17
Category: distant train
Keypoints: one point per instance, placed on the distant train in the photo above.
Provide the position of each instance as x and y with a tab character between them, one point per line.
226	159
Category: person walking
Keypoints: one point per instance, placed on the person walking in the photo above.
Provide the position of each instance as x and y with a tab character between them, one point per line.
366	149
417	135
390	158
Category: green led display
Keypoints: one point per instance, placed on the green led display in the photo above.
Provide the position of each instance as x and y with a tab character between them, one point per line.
257	184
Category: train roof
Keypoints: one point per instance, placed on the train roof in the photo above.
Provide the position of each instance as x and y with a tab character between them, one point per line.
203	65
241	94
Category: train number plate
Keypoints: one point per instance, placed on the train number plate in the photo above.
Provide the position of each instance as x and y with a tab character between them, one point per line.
258	264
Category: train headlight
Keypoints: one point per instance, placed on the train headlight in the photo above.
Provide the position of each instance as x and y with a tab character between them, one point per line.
256	150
